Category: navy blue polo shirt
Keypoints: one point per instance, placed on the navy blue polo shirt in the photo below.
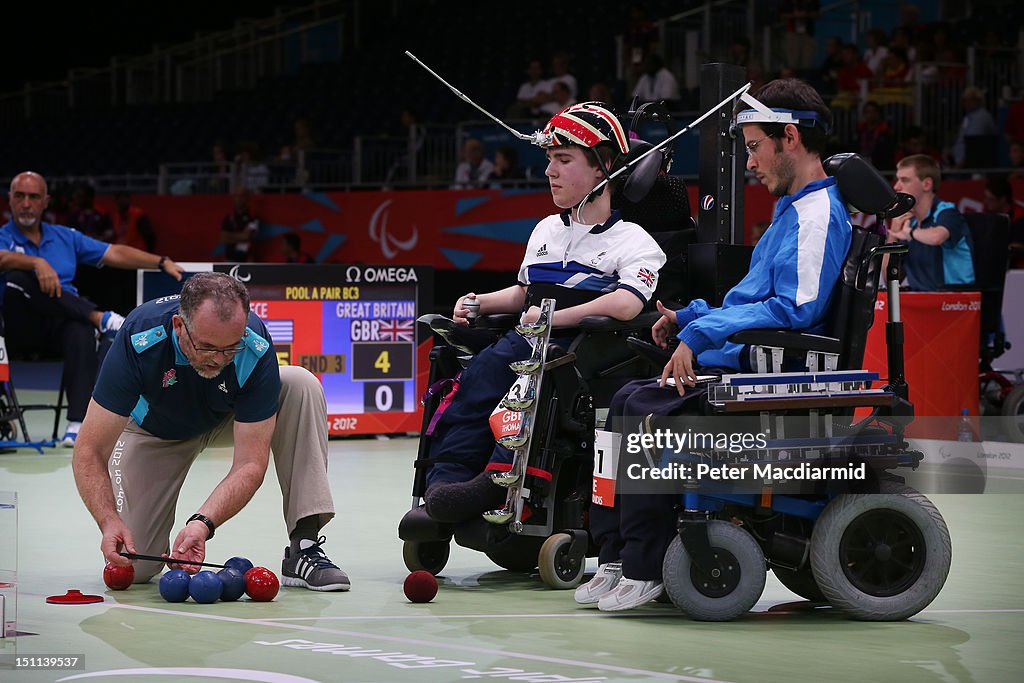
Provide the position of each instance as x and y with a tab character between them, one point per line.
930	268
146	375
62	247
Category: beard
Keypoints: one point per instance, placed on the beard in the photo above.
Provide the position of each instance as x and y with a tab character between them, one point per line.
201	368
785	173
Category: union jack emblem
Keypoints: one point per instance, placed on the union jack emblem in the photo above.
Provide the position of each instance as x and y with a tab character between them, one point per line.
396	330
647	276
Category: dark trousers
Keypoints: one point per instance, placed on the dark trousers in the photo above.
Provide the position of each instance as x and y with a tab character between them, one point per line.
462	443
36	322
639	528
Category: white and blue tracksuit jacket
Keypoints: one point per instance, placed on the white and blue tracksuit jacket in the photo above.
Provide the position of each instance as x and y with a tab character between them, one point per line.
793	270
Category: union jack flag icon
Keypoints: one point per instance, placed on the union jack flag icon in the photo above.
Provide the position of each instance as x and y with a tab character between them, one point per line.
396	330
647	276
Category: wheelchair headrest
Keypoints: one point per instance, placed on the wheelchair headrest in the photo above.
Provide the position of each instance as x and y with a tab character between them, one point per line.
641	178
863	187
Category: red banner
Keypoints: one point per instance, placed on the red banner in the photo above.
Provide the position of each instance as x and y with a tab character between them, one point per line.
941	335
446	229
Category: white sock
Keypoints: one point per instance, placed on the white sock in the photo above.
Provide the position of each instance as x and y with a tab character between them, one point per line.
73	427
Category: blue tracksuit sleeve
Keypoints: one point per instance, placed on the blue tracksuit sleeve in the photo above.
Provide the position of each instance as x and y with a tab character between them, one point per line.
696	309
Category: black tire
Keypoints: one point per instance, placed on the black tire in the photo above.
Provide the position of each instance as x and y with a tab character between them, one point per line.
559	569
801	582
881	557
513	555
429	555
724	597
1013	414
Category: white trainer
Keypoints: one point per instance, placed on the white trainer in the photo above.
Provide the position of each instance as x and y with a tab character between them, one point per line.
604	581
630	593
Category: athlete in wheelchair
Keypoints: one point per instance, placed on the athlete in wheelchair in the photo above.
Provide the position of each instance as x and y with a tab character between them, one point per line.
867	544
598	271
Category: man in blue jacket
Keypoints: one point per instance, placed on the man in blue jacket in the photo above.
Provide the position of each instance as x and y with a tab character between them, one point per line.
793	270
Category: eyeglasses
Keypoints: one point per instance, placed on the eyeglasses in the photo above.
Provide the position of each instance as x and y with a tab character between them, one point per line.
752	146
229	352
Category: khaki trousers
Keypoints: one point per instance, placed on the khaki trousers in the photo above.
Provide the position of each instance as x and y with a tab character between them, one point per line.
147	472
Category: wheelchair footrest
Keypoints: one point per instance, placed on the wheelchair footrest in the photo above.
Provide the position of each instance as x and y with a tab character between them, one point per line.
417	525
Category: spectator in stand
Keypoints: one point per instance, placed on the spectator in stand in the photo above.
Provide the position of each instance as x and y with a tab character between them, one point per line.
41	306
238	229
641	38
798	44
600	92
560	73
999	198
739	51
657	83
829	71
852	78
892	84
1013	128
977	121
254	174
901	39
131	225
559	98
220	175
86	218
474	171
874	138
876	52
531	92
916	142
292	248
1017	160
910	22
506	167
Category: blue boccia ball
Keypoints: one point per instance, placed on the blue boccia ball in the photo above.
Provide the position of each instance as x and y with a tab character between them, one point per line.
174	585
240	563
233	582
205	587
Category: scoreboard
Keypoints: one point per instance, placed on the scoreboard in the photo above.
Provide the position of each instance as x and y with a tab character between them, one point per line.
353	326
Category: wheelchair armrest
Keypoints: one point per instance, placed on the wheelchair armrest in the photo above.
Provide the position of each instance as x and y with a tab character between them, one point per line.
497	321
652	353
604	323
787	339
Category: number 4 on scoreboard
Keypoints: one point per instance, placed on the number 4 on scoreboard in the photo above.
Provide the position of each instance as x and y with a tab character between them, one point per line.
383	363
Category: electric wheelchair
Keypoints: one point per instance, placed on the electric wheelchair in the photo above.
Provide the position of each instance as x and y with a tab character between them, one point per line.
874	548
551	533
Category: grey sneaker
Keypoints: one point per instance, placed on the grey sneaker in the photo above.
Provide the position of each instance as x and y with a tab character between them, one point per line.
309	567
604	581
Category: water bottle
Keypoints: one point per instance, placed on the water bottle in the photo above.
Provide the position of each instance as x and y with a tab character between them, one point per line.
964	429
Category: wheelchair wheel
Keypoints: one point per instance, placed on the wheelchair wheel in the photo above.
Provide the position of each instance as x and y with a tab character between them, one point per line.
1013	414
429	555
801	582
724	597
558	568
881	557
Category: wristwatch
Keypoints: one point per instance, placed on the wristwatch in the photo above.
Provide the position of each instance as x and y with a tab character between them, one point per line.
205	520
912	233
160	266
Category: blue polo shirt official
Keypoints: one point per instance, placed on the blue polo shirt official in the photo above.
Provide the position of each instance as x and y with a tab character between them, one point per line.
146	375
62	247
929	267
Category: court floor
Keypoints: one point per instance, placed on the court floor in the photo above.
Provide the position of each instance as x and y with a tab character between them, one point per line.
485	623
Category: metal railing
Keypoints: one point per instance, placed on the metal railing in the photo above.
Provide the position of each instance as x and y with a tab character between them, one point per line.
197	70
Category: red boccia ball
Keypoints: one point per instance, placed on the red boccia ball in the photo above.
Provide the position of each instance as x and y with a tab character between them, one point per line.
420	586
117	577
261	584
